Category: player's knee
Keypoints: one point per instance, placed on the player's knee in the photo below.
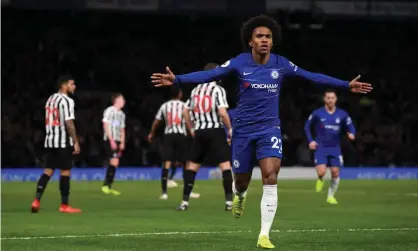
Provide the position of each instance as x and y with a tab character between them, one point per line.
49	172
114	162
193	166
65	172
320	170
335	172
225	166
270	178
167	164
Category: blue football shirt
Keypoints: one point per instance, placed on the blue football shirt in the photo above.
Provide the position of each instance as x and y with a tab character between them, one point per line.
328	127
258	87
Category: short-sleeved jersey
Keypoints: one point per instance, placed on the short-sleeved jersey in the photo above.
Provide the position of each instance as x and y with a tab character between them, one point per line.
58	109
115	119
204	103
328	127
172	113
258	88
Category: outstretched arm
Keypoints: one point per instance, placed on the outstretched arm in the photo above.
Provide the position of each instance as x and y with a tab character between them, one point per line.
318	78
307	128
166	79
351	130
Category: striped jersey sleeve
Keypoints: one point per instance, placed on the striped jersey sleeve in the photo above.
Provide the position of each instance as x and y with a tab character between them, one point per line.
220	97
107	115
123	123
159	115
68	108
115	121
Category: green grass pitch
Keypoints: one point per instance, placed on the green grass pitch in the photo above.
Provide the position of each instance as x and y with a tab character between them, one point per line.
372	215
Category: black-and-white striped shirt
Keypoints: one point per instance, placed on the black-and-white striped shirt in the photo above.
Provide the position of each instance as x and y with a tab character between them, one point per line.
172	113
116	121
204	102
58	109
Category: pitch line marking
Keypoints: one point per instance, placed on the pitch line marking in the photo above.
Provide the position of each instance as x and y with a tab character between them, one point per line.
208	232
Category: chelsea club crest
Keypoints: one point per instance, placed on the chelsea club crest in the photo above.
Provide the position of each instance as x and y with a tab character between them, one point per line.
274	74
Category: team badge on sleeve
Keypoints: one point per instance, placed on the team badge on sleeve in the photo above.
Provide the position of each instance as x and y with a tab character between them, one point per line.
295	67
226	63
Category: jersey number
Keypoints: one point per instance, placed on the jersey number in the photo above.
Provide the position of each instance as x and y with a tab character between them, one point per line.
52	117
277	143
205	103
173	119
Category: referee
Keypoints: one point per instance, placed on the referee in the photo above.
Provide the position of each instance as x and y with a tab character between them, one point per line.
61	143
207	107
114	139
175	142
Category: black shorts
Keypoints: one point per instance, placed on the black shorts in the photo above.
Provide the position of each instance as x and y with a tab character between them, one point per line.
110	153
61	158
174	148
210	145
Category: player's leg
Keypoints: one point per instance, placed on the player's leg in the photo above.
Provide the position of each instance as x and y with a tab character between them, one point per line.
64	182
171	183
115	163
110	176
336	163
41	186
321	169
227	183
197	155
242	152
164	178
189	178
167	155
220	153
112	164
269	154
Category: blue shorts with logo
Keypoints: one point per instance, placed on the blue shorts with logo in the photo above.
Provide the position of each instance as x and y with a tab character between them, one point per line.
264	144
329	157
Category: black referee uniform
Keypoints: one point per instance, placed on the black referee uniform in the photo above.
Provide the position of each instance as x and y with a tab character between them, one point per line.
210	140
58	144
175	141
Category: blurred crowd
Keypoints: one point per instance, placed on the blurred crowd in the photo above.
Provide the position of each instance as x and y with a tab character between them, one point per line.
114	52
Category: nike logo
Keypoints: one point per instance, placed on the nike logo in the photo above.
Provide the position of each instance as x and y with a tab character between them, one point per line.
246	73
323	119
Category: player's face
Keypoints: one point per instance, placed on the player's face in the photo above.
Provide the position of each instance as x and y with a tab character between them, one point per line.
330	99
120	102
262	40
71	86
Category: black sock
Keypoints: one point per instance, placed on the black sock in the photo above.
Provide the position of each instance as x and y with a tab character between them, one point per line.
320	177
189	178
41	186
110	176
173	172
164	176
64	189
227	182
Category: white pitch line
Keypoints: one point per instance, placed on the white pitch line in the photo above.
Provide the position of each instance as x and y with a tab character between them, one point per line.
207	232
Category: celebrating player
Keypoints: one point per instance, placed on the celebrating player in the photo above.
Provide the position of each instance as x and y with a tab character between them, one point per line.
61	143
260	74
328	122
208	105
175	142
114	140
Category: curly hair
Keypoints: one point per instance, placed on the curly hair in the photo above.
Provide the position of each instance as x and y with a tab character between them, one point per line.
259	21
